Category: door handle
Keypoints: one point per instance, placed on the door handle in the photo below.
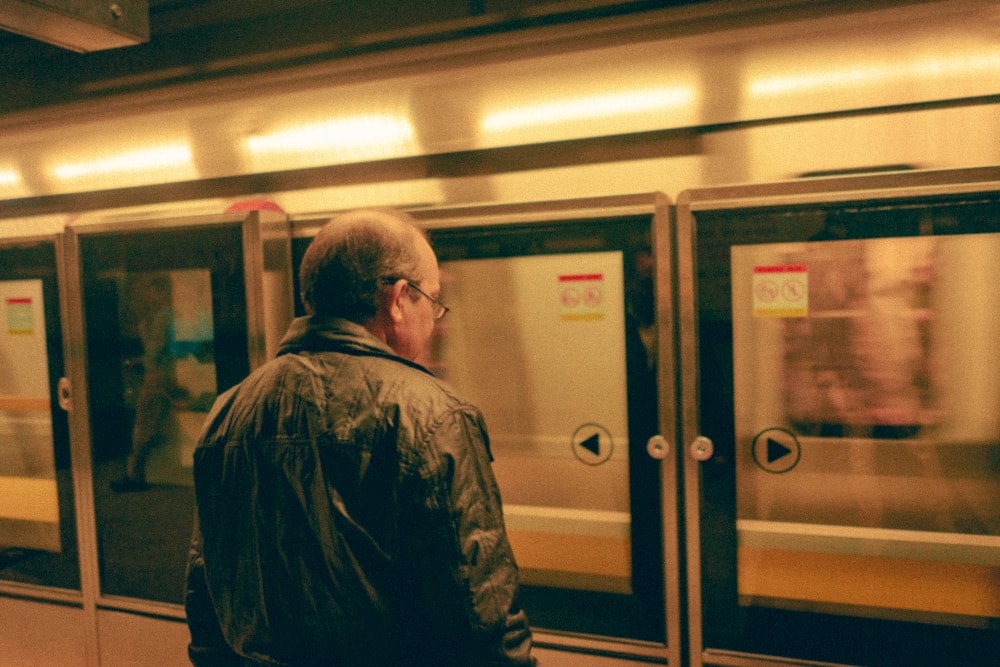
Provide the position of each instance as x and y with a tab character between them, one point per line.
657	447
64	394
702	448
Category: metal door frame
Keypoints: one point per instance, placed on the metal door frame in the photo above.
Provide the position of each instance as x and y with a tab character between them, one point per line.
256	229
659	207
824	190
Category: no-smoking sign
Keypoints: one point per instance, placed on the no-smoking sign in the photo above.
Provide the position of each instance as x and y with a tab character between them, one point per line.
781	290
581	296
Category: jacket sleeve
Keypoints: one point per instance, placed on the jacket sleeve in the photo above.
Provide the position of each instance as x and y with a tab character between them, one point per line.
484	573
208	648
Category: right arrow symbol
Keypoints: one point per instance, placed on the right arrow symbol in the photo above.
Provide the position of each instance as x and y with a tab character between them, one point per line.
771	448
775	450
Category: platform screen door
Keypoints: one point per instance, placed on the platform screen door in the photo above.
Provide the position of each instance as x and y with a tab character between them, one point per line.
848	357
166	323
552	334
37	520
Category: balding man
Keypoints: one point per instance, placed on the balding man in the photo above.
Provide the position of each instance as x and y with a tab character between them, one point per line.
347	513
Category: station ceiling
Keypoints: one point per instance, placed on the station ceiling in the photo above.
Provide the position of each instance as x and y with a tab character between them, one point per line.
197	40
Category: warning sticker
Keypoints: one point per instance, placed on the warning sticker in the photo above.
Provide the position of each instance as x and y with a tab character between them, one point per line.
20	317
581	296
781	291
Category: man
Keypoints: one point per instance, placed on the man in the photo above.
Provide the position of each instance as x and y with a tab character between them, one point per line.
346	509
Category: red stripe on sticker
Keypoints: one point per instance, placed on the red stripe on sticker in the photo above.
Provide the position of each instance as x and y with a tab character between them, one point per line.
581	276
786	268
17	301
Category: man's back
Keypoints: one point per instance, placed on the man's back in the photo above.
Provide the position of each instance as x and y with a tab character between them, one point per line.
347	505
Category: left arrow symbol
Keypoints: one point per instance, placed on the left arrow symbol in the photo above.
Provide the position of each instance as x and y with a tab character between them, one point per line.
592	444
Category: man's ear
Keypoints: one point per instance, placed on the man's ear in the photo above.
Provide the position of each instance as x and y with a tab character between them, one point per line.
394	297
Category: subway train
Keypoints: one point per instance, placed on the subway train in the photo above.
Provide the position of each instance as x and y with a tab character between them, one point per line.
721	276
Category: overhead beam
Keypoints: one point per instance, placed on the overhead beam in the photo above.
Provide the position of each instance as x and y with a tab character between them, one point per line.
79	25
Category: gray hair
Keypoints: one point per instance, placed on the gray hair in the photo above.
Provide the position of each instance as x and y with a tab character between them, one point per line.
345	267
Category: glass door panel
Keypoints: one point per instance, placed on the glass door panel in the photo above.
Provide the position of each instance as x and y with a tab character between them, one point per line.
171	314
37	519
157	308
563	350
847	356
551	332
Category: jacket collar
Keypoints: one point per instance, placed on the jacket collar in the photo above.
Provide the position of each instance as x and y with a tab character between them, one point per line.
333	334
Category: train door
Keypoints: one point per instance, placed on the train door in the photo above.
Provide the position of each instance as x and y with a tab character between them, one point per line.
38	528
170	314
553	332
840	391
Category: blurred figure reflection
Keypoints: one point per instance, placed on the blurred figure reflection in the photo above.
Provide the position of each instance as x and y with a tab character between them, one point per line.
154	409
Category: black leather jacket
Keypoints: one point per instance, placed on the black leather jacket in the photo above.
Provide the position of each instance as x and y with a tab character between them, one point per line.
347	514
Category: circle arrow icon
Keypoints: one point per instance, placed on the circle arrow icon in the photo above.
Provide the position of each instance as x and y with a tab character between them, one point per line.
776	450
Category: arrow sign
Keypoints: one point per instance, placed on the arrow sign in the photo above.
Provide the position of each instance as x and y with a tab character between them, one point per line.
592	444
775	450
771	448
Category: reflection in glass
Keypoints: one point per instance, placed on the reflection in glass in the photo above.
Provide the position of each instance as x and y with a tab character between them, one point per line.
29	506
151	381
551	333
884	380
169	377
37	518
166	330
553	391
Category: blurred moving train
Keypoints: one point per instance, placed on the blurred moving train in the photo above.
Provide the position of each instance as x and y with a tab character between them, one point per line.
733	424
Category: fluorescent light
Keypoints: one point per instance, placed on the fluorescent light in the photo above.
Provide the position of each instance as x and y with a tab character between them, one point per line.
173	157
9	178
12	183
367	136
863	74
606	105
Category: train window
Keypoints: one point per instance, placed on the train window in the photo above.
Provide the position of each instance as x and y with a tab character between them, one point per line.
848	357
166	329
37	520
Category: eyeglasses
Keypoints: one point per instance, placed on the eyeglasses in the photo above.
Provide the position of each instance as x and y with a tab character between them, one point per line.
439	310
